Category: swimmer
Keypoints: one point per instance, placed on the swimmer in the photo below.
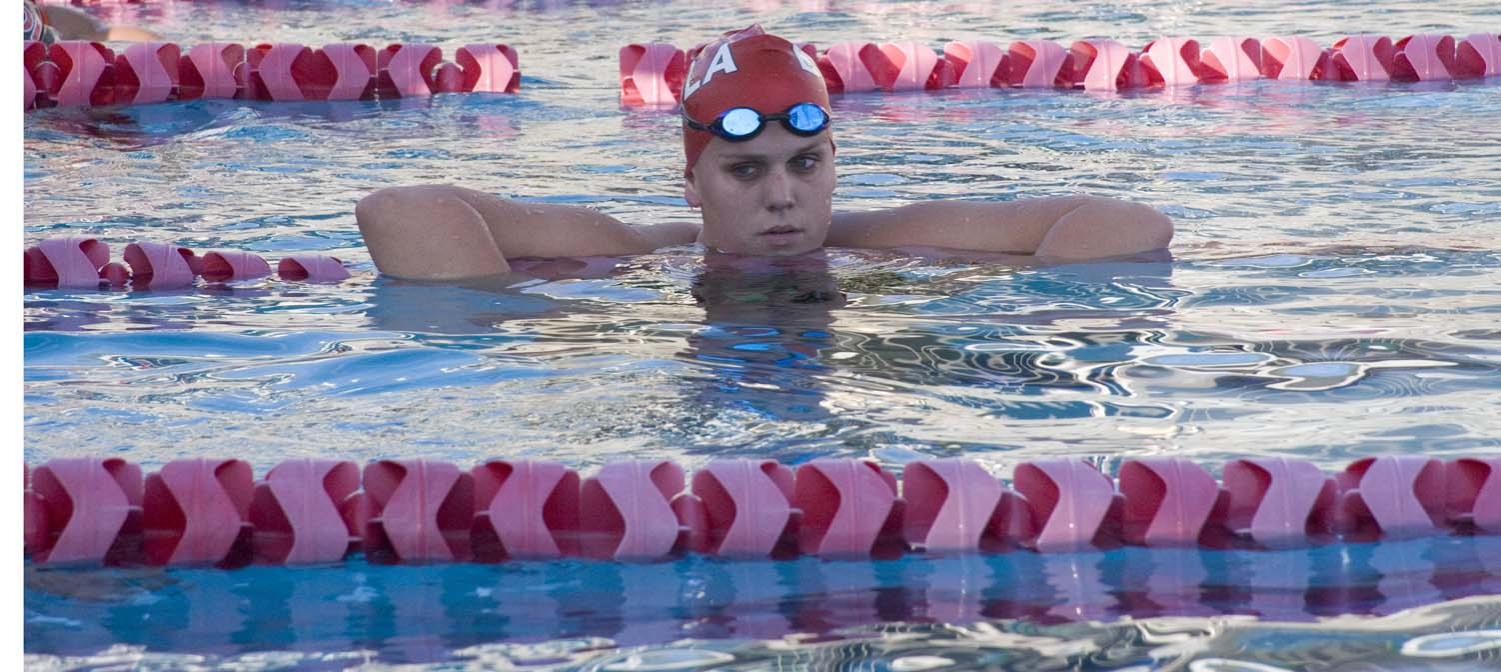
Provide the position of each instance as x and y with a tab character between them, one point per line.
760	166
50	24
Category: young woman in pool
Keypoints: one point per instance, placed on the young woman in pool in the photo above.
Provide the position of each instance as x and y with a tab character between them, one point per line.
760	165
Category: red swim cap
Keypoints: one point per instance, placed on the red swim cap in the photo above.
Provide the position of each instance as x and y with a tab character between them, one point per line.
746	68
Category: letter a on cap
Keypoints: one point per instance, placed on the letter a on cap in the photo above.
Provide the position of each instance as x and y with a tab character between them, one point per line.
723	61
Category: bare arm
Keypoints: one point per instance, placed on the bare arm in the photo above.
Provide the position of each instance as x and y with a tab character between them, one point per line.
71	24
441	232
1071	227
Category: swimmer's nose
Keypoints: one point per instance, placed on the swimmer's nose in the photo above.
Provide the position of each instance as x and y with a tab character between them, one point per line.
779	191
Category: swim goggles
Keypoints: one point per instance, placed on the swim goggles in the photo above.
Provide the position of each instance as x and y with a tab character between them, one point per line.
739	124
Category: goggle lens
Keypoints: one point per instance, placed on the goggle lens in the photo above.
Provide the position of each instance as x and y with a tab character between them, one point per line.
807	118
740	122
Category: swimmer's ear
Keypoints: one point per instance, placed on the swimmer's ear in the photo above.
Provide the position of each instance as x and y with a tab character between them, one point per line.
690	191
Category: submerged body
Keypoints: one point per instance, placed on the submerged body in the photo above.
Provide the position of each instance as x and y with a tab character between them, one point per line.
765	190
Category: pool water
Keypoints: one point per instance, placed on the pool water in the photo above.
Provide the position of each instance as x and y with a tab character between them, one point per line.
1332	293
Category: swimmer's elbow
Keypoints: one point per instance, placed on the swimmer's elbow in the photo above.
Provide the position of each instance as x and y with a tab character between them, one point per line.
1101	227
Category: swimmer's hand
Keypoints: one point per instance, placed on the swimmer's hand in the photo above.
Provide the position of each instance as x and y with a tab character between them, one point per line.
442	232
1065	228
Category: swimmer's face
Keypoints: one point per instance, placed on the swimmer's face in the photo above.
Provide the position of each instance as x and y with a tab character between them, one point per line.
771	195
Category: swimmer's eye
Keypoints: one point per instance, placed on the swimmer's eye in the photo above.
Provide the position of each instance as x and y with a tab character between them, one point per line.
804	163
746	171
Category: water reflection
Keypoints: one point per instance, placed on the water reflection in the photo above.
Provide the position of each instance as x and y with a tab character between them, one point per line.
419	614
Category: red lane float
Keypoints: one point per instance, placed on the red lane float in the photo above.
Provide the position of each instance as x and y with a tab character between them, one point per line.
1478	55
416	511
1394	496
1475	493
849	508
1362	58
746	509
1101	65
1107	65
80	262
196	512
89	510
147	72
1168	501
74	73
651	74
525	510
303	512
211	70
855	67
1231	59
1276	502
975	64
209	512
952	505
626	511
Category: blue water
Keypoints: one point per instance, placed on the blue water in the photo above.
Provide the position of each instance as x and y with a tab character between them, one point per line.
1332	293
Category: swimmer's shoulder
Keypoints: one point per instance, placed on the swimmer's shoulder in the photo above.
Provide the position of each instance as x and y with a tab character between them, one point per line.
670	234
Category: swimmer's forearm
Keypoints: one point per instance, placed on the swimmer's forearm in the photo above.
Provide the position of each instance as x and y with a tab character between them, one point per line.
443	232
546	230
1068	227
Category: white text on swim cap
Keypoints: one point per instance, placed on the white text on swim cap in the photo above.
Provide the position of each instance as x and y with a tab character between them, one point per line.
723	61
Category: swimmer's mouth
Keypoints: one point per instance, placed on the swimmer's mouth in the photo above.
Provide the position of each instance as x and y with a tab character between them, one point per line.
781	231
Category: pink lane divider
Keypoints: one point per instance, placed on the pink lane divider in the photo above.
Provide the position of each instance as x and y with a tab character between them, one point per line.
1168	501
1039	64
952	505
849	509
1231	59
407	70
161	266
1285	57
626	511
1069	504
525	510
916	67
272	77
1171	61
78	73
1362	58
196	512
855	67
1423	58
92	509
76	262
1475	493
1107	65
211	70
1478	55
1277	502
651	74
33	56
354	67
976	64
311	268
33	518
1391	497
233	265
147	72
489	68
303	512
746	508
416	511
